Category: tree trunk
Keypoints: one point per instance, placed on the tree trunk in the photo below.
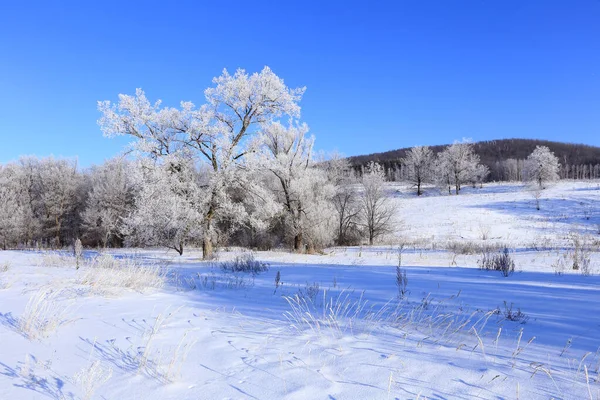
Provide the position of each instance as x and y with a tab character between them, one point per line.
418	187
207	244
311	248
207	248
298	243
179	249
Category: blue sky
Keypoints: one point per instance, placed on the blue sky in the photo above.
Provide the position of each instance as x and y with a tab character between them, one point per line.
379	75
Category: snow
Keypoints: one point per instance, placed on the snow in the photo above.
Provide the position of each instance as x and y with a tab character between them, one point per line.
242	339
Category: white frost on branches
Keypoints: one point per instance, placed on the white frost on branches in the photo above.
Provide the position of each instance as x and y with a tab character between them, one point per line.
236	108
541	167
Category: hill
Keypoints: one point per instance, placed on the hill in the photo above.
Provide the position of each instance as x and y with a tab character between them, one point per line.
577	160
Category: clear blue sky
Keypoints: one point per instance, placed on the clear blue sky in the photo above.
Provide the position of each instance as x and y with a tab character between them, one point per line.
379	75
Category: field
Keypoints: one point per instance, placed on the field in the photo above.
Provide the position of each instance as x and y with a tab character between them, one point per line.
416	318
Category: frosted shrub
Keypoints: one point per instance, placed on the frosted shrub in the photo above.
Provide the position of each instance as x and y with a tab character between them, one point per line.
105	272
78	252
277	281
512	315
498	262
401	282
245	263
580	256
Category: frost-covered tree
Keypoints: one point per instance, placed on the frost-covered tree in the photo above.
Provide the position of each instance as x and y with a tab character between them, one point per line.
58	198
479	174
419	162
30	199
11	209
110	199
457	164
216	133
541	167
345	200
301	188
168	209
377	211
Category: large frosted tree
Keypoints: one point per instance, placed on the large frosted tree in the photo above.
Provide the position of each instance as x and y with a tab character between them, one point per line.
216	133
541	166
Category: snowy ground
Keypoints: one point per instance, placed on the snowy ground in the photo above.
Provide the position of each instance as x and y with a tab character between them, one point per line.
334	328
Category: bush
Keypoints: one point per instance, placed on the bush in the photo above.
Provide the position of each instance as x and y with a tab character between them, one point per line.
515	316
498	262
401	282
245	263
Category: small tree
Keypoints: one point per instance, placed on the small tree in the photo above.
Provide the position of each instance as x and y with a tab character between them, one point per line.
301	188
345	200
377	211
536	193
419	162
541	167
479	175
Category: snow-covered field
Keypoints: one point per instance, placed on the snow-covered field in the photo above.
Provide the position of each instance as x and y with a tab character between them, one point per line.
170	327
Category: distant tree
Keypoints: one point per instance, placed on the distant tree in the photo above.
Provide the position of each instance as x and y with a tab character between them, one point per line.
419	162
345	200
377	211
459	164
479	174
541	167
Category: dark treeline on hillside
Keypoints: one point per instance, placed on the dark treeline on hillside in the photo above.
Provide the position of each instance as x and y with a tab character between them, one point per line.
504	158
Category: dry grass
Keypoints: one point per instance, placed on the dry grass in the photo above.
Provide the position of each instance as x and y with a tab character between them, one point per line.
106	273
6	280
54	259
90	378
5	266
43	314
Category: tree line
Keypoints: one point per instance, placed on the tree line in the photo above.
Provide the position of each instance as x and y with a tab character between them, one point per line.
504	158
240	169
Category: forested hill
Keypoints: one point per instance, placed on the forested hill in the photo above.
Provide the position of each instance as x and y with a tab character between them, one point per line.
495	152
499	150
